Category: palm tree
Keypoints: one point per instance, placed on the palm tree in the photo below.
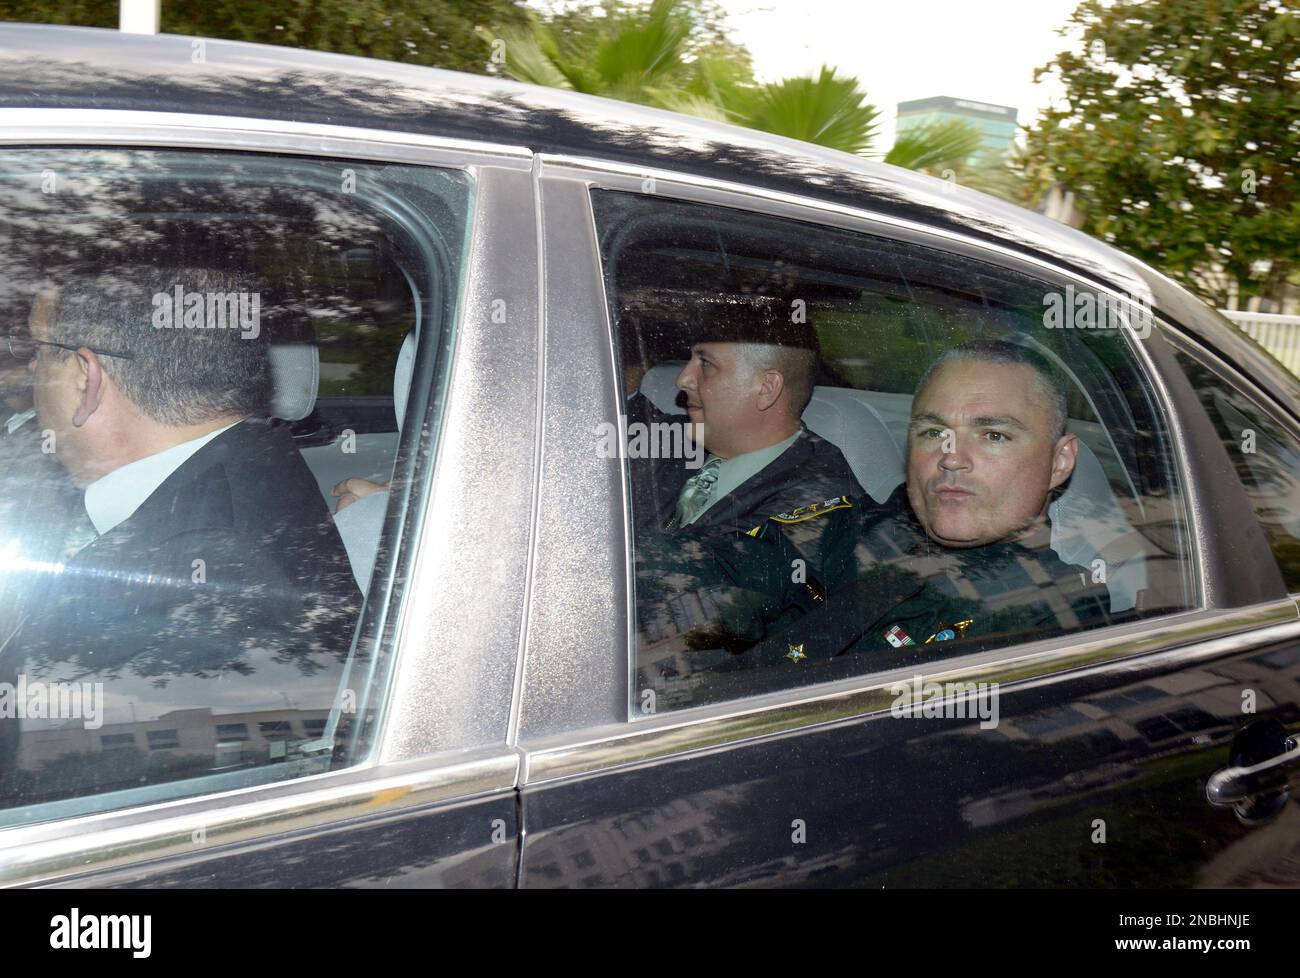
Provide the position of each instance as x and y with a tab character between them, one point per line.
649	57
936	147
634	59
826	110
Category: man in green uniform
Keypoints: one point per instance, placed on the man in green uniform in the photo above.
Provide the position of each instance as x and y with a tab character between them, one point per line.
961	551
749	378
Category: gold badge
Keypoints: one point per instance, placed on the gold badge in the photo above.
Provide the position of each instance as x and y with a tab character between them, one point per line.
813	510
796	654
947	633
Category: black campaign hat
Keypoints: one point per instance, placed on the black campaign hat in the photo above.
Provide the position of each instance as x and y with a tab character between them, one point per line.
742	318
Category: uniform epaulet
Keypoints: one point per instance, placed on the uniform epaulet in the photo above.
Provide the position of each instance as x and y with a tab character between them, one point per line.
813	510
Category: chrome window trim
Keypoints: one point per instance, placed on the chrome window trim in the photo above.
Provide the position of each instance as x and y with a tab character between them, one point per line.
43	853
1182	638
539	470
187	130
708	191
578	579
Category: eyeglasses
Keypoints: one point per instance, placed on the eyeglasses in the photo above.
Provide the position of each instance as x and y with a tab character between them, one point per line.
22	348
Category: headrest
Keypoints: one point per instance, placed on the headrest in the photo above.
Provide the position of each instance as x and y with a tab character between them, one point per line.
659	384
1087	523
295	377
402	377
845	418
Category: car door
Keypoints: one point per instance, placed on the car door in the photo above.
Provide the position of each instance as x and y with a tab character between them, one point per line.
1094	772
401	774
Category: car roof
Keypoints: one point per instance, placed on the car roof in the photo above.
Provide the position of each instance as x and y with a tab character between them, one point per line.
70	67
45	66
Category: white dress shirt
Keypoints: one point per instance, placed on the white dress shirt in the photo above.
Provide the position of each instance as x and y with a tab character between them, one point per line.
112	499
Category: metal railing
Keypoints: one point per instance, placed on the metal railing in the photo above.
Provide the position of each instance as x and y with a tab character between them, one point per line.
1278	334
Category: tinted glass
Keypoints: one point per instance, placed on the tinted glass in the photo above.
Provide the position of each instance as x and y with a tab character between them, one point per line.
1266	456
776	546
206	365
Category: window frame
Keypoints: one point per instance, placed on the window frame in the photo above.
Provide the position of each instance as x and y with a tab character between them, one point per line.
411	764
1217	364
593	738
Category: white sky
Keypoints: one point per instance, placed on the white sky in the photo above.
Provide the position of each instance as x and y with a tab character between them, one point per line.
983	50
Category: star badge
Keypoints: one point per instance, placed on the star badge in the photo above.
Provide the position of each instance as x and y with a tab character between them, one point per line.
796	654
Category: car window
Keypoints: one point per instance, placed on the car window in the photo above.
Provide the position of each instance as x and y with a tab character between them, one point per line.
206	365
1265	454
770	372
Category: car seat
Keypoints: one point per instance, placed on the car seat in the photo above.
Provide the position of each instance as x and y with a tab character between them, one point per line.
361	523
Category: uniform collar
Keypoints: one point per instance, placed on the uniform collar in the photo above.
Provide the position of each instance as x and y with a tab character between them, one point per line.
736	471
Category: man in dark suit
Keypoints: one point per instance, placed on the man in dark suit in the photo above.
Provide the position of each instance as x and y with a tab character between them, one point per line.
214	581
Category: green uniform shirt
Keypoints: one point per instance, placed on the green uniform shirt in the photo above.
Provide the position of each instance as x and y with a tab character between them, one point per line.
736	471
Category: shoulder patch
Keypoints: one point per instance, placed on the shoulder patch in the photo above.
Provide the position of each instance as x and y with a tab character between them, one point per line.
813	510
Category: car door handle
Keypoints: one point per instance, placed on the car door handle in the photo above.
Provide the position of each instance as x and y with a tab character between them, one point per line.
1233	785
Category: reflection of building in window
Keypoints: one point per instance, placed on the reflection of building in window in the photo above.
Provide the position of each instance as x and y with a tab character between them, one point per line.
116	741
1279	659
190	734
1130	697
1052	721
1188	719
162	739
232	731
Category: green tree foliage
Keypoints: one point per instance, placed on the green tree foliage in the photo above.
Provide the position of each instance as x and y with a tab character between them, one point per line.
830	110
1180	131
941	144
674	54
678	55
439	33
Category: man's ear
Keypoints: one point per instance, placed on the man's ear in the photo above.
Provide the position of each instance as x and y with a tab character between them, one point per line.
91	384
771	384
1064	456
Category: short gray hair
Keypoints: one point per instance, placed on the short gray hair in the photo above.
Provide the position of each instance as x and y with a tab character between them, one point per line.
175	376
797	365
1050	382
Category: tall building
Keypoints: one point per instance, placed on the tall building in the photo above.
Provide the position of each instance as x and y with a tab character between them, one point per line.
996	122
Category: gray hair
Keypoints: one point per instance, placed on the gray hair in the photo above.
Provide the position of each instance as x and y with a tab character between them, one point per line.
797	365
1049	380
176	376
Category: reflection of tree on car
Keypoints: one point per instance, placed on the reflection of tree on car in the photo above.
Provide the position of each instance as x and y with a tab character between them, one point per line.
214	577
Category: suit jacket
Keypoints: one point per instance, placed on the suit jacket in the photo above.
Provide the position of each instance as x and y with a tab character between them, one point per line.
228	590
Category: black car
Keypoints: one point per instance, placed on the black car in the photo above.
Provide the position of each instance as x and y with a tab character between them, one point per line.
464	285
